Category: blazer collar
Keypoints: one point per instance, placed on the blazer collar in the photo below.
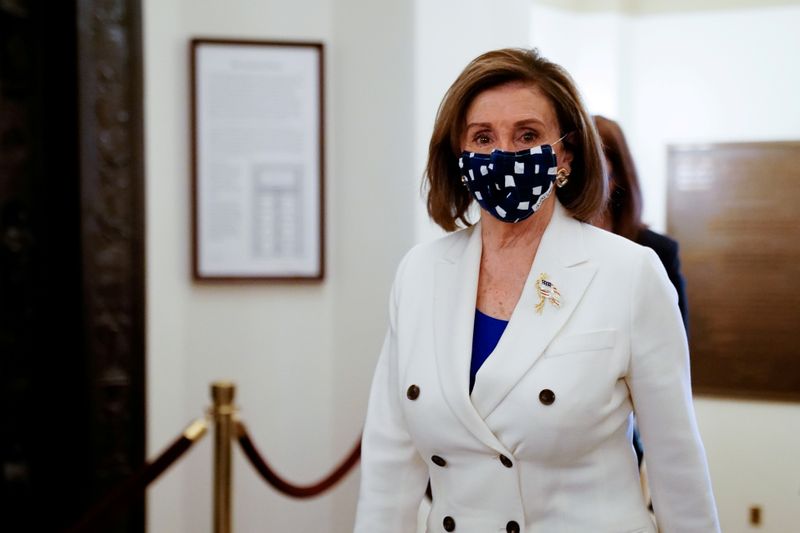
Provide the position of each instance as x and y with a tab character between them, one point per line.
562	256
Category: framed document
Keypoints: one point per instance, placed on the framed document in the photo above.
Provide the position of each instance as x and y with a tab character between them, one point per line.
257	160
733	209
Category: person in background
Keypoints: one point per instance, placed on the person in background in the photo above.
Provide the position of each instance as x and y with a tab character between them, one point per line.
623	214
519	346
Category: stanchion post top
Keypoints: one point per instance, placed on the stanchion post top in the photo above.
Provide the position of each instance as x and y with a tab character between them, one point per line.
223	392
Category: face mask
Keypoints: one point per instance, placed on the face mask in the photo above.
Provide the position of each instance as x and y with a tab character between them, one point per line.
510	185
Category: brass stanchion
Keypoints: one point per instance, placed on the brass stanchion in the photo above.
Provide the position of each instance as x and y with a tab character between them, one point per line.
222	393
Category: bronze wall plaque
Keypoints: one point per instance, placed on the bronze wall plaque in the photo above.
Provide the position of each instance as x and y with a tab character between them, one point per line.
735	210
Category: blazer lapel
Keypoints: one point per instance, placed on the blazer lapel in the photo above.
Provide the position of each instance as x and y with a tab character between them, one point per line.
456	286
561	256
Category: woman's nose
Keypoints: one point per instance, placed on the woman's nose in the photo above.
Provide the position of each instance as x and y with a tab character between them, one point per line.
506	145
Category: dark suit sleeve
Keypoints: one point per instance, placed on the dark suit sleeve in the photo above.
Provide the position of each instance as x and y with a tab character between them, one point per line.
675	276
667	251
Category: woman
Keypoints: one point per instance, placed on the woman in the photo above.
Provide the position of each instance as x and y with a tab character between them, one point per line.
623	213
585	325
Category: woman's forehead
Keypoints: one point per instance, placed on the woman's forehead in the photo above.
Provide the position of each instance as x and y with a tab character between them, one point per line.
511	102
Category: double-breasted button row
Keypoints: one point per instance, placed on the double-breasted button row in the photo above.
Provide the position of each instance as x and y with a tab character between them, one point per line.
440	461
412	393
546	396
449	524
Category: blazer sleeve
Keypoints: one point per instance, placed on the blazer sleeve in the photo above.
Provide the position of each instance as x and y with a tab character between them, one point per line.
659	381
393	475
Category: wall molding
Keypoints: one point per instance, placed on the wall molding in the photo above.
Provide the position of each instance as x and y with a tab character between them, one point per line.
648	7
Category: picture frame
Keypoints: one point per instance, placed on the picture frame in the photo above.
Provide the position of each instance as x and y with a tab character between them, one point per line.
257	119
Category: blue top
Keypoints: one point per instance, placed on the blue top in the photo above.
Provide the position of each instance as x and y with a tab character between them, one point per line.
485	336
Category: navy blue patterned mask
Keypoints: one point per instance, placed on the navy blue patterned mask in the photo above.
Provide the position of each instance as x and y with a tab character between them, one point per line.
510	185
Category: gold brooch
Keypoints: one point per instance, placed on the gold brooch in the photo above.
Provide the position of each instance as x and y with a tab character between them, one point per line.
547	292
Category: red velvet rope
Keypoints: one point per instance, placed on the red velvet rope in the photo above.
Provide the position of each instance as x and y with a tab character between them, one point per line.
295	491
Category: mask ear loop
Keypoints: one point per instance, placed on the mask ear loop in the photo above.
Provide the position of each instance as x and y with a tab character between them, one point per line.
561	138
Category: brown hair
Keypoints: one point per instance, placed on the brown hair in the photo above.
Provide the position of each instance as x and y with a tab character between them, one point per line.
585	193
625	201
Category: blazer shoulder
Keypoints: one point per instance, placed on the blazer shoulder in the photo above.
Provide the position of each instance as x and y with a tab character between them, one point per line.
605	244
429	252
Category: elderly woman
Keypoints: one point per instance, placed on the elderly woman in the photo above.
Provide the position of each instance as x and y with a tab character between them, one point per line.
519	348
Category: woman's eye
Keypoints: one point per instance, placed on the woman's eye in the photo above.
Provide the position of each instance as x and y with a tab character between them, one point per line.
482	138
528	136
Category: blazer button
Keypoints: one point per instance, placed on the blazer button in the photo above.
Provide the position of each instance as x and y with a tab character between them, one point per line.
412	393
512	527
438	461
547	396
449	524
506	461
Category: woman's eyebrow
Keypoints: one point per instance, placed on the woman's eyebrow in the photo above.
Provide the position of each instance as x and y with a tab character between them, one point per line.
528	121
517	124
479	125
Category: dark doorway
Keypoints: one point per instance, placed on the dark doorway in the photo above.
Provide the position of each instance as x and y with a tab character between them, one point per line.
71	259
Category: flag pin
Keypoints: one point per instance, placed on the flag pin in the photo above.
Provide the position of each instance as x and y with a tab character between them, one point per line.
547	292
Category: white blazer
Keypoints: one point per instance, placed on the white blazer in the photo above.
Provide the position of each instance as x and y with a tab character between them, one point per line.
543	444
